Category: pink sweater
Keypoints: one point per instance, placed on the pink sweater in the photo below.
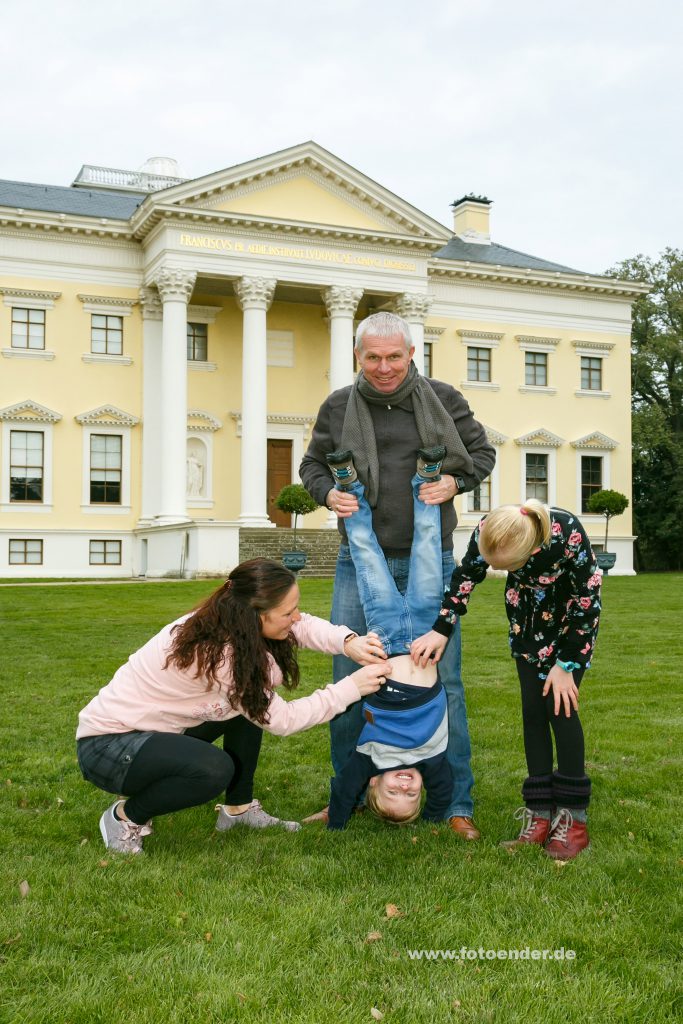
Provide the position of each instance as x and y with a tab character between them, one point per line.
144	696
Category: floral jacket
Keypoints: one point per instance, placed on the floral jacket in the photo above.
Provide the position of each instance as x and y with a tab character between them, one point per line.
552	602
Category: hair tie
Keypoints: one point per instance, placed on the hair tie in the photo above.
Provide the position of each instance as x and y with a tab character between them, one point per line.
524	512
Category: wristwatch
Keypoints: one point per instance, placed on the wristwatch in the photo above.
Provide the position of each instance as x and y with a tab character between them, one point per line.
460	484
567	666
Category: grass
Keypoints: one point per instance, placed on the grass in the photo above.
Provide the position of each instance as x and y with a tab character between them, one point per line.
277	926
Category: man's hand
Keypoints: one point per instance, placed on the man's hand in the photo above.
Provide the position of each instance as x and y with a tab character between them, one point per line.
439	491
342	503
369	678
565	690
428	648
366	650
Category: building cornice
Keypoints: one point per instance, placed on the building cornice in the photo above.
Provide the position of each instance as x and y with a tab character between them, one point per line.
64	223
29	412
464	333
107	416
485	273
30	293
107	300
206	422
595	441
540	438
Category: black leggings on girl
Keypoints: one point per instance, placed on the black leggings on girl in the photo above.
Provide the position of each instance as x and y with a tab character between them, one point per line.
172	771
568	786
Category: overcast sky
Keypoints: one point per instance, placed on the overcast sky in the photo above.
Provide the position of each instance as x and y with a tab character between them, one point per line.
568	116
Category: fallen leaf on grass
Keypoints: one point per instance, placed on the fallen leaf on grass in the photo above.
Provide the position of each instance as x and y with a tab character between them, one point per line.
208	936
560	863
60	802
414	839
393	911
376	1014
456	1003
631	835
373	937
103	863
24	889
241	996
83	841
12	939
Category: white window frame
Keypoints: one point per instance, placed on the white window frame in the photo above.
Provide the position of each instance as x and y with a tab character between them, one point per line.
44	301
29	507
534	449
202	315
103	305
480	339
593	350
531	343
595	453
99	509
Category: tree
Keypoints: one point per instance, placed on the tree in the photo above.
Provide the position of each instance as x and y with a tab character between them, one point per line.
657	411
295	499
607	504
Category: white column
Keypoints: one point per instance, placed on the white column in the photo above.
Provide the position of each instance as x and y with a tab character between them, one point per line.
414	308
341	304
150	304
254	295
175	287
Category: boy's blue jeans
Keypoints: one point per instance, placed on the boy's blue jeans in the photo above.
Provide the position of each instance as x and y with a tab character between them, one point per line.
412	615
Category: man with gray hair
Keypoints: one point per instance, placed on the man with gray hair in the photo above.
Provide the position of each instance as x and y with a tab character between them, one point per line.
384	418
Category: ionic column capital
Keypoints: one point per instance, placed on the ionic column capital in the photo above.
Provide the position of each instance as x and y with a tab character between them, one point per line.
150	304
412	307
341	301
254	292
174	283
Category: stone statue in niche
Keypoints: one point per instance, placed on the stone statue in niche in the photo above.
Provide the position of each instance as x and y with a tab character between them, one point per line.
195	472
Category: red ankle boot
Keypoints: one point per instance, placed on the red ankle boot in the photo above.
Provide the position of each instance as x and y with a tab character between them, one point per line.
567	837
534	829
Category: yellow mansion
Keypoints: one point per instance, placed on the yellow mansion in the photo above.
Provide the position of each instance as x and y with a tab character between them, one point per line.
166	345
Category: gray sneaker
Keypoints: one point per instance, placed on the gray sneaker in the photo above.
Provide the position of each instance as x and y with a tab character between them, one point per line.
122	836
253	817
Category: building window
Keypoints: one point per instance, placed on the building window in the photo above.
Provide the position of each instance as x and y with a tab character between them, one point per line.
105	552
478	363
537	476
591	478
479	500
197	343
428	359
105	469
25	552
26	465
106	334
591	373
28	328
536	369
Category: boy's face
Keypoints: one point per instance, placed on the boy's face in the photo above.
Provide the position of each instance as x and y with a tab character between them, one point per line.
398	791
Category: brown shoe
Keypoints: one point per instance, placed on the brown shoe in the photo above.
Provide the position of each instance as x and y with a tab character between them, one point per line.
464	827
318	816
567	837
534	829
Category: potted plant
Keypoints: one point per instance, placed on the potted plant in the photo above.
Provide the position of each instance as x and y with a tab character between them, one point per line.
295	499
607	504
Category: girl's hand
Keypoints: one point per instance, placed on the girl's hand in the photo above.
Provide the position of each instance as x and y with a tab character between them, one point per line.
565	690
365	650
428	648
369	678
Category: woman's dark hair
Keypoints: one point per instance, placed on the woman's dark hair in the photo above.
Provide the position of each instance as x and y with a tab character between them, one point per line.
226	627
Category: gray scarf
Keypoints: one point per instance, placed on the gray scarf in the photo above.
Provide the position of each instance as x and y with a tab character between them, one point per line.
434	425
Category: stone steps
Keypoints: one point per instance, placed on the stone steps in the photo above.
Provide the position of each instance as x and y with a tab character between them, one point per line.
321	546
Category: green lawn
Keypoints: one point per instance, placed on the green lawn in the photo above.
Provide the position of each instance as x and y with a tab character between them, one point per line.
274	926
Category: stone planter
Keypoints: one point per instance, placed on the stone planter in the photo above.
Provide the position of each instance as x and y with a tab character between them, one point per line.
294	560
606	560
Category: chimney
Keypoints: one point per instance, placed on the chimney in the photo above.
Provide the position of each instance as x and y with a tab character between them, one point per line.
471	219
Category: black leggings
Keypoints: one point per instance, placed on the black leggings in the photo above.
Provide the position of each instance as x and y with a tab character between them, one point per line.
172	771
538	716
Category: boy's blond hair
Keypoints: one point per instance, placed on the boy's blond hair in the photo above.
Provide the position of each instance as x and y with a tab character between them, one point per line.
373	804
516	529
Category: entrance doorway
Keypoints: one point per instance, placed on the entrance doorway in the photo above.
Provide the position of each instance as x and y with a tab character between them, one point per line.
279	475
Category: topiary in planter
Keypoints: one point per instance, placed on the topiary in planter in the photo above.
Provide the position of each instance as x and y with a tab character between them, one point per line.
607	504
295	499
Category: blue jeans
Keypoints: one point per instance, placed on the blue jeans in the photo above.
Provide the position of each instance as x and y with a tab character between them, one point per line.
346	728
398	618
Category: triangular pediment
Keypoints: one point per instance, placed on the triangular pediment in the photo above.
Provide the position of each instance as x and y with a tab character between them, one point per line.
540	438
596	440
29	412
107	416
304	184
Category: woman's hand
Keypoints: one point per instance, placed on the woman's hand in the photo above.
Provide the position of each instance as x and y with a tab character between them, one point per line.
369	678
428	647
365	650
565	690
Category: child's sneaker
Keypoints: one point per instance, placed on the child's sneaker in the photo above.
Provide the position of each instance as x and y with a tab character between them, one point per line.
567	837
342	467
429	461
122	836
534	829
253	817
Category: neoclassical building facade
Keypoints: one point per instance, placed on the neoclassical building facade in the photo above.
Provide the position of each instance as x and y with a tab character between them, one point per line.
165	345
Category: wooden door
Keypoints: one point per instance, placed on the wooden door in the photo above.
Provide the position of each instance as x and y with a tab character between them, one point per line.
279	475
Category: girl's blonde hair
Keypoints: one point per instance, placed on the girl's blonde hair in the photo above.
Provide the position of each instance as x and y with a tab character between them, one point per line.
516	529
373	804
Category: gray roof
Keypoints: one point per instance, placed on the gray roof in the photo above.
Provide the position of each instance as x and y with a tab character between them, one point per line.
497	255
58	199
